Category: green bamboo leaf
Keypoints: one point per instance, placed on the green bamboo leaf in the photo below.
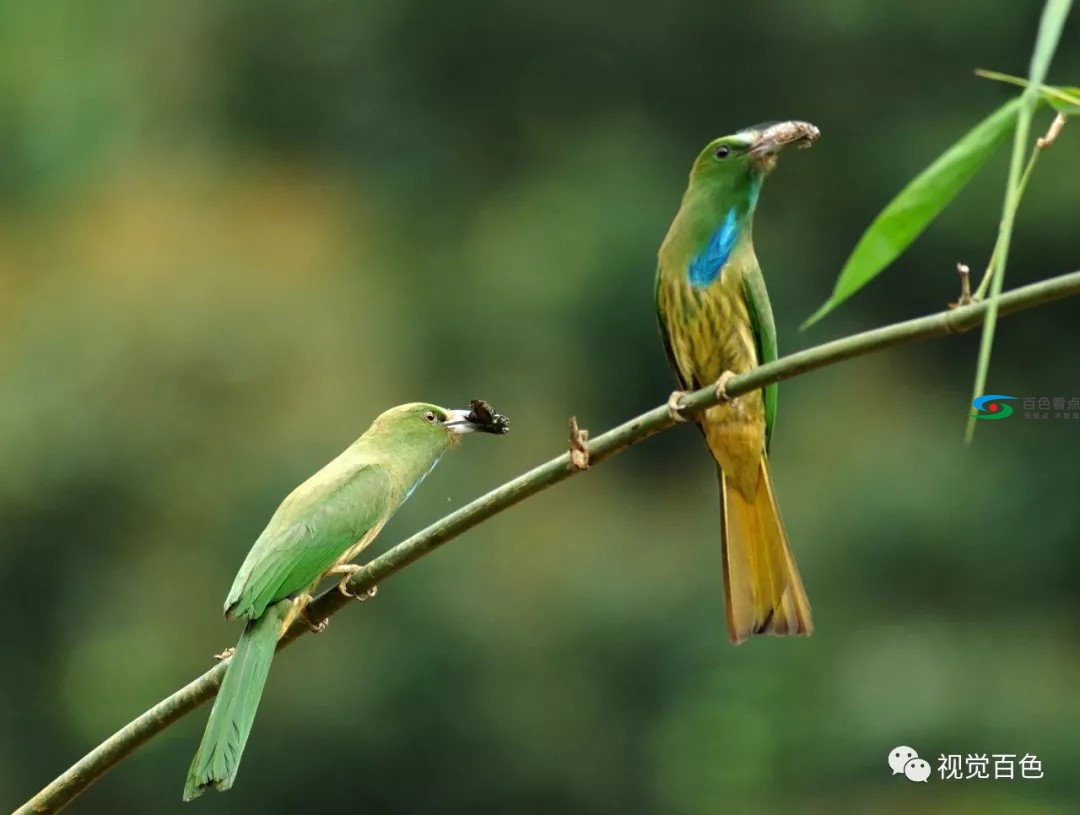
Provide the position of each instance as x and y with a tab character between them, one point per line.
1063	100
910	212
1053	20
1066	108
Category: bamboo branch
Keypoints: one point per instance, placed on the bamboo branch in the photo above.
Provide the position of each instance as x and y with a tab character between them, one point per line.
125	741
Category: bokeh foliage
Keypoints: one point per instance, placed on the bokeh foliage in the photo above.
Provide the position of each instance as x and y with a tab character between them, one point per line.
231	233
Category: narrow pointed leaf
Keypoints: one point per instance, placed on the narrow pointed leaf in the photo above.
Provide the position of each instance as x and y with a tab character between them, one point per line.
1053	20
910	212
1063	100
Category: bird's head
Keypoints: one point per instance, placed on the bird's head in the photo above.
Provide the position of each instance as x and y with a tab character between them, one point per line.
738	163
420	420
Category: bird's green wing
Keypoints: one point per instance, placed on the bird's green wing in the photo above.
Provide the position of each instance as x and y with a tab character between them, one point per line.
318	523
764	328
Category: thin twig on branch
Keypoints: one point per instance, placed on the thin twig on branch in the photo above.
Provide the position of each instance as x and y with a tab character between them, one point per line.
125	741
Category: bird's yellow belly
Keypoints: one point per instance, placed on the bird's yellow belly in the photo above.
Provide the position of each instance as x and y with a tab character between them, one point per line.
709	332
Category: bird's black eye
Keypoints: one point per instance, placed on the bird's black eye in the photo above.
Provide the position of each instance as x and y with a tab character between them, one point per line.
429	416
723	151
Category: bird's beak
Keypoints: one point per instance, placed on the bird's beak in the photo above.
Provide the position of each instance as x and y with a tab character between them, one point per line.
772	139
460	422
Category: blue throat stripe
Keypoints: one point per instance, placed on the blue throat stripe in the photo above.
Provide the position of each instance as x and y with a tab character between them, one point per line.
418	481
709	262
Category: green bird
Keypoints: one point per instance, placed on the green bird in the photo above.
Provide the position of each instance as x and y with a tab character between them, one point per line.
716	322
321	526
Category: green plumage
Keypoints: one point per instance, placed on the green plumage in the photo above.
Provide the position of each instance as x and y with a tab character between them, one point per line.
716	319
764	331
322	524
319	521
218	758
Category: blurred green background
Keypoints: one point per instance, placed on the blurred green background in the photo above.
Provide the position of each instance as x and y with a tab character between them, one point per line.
232	233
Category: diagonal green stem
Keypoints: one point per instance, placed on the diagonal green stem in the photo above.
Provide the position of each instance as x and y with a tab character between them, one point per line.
1001	249
88	769
991	265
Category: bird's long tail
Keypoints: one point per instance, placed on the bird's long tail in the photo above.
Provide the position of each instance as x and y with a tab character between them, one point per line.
217	760
764	592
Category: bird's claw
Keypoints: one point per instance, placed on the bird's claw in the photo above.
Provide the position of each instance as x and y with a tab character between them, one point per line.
673	409
313	627
228	652
720	388
343	587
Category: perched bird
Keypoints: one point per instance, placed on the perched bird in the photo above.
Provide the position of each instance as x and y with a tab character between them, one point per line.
716	322
321	526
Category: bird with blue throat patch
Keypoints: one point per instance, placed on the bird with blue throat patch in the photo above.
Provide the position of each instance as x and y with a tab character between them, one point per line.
716	322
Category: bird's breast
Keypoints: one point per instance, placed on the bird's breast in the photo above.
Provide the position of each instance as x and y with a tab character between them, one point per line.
708	327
